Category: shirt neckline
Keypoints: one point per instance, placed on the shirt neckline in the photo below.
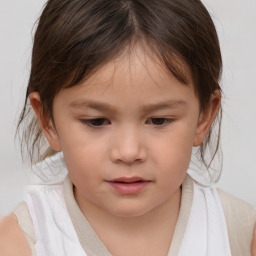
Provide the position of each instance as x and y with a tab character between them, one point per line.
92	244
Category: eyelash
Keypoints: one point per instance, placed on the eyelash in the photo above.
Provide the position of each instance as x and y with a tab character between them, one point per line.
88	122
166	120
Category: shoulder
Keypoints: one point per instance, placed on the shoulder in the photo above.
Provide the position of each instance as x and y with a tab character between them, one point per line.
12	239
240	218
237	208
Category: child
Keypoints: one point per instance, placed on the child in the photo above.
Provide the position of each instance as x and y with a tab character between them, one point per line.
124	90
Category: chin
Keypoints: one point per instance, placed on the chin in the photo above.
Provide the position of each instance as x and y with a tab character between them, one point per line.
130	211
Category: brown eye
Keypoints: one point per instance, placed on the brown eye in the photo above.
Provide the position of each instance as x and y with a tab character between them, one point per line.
160	121
97	122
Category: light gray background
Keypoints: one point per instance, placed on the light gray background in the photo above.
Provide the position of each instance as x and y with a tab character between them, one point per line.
236	25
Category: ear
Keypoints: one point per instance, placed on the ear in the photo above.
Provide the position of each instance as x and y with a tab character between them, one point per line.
46	123
206	118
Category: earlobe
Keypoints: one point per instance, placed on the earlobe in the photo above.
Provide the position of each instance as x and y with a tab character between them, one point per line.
206	118
45	122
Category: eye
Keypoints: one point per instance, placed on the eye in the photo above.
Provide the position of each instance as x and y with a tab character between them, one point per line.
95	123
159	121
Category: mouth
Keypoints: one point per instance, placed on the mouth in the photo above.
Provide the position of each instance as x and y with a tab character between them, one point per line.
128	180
129	185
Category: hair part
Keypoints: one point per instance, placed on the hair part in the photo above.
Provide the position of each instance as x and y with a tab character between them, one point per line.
75	38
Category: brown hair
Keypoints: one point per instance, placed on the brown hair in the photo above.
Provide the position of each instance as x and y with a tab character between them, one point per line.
75	37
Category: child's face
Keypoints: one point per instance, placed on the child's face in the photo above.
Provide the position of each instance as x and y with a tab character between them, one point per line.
146	125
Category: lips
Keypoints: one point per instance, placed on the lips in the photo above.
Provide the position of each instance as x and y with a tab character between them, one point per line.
128	179
128	185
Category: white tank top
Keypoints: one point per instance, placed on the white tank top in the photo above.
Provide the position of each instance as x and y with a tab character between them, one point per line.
206	233
54	230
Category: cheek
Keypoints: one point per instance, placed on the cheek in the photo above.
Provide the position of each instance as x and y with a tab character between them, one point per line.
84	170
173	153
176	145
175	160
83	156
173	165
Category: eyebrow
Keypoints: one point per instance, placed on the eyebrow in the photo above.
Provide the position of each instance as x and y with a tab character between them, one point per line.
164	105
108	108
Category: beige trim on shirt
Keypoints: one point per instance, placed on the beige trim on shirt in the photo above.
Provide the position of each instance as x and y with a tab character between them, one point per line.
240	218
26	224
89	240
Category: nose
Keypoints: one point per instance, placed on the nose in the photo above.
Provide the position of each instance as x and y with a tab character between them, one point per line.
128	147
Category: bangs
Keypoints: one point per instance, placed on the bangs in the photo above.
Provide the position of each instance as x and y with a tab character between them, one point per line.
166	58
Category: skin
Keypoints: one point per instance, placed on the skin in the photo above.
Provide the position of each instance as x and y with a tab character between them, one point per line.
129	142
155	145
12	239
254	243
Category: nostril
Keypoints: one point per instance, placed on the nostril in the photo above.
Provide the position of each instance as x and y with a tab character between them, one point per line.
128	152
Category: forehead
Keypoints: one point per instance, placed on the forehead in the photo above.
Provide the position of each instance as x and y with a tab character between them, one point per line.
137	64
133	72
